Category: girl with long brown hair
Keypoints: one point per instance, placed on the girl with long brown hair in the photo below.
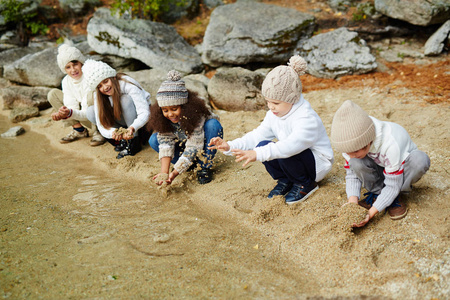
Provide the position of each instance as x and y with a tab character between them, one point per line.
121	106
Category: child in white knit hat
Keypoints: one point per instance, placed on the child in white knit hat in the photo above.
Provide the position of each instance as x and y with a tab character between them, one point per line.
183	125
121	106
380	156
74	99
302	154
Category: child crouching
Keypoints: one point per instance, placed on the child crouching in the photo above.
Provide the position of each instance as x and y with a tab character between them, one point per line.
380	156
182	124
302	154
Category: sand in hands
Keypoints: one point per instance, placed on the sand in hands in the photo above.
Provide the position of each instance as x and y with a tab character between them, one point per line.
121	131
349	214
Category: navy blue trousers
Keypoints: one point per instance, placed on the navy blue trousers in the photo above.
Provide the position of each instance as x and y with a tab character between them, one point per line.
298	169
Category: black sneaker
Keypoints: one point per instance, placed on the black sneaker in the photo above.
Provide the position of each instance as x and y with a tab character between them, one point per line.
280	189
368	201
204	176
300	193
132	147
121	146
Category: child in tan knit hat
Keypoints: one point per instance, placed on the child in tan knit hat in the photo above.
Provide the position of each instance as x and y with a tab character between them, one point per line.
378	155
183	124
75	98
302	154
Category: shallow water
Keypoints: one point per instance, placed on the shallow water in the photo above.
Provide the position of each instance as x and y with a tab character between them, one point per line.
69	230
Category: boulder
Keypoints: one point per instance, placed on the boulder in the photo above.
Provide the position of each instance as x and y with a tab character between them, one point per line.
246	32
20	114
24	96
435	44
236	89
11	55
337	53
156	44
30	69
417	12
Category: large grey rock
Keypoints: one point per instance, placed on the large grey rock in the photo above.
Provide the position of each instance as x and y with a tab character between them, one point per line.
22	96
435	43
237	89
20	114
156	44
337	53
11	55
417	12
37	69
246	32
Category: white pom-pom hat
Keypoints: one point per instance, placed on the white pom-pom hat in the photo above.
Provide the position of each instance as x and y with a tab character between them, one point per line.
95	72
172	91
67	54
283	82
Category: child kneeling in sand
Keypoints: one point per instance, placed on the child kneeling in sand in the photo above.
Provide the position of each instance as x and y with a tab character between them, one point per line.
183	125
378	155
302	154
121	106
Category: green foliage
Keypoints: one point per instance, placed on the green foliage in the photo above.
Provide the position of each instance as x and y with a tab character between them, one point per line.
14	12
144	9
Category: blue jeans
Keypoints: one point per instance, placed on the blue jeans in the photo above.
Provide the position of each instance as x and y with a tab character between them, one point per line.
212	128
298	169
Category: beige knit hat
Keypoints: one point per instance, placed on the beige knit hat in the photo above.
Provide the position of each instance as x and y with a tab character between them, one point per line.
352	128
67	54
95	72
172	91
283	82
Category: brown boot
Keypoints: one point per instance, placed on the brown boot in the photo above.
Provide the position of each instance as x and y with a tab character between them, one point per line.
397	210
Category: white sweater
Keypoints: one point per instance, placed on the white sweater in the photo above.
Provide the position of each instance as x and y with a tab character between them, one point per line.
76	97
392	145
140	98
300	129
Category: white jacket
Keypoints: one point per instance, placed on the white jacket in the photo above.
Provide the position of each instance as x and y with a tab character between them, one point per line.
300	129
76	97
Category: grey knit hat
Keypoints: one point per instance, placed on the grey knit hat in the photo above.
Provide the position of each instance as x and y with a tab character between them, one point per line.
352	128
95	72
283	82
67	54
172	91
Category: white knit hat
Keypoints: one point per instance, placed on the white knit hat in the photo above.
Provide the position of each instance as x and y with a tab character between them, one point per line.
172	91
95	72
283	82
352	128
67	54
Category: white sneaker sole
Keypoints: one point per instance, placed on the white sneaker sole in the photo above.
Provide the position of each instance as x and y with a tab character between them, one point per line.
305	197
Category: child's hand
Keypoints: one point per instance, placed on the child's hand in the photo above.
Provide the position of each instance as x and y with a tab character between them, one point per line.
172	176
246	155
219	144
160	178
129	134
116	136
56	116
64	112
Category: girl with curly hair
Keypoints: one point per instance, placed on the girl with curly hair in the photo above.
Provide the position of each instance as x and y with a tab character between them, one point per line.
183	126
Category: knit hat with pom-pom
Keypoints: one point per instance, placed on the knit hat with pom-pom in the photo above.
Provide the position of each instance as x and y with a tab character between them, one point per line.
172	91
283	82
67	54
95	72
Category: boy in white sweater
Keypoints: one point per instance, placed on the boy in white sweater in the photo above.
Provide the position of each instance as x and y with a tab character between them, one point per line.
74	99
380	156
302	153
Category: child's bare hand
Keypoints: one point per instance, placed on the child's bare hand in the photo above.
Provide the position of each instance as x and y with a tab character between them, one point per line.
219	144
172	176
244	155
160	178
116	136
129	134
56	116
64	112
363	222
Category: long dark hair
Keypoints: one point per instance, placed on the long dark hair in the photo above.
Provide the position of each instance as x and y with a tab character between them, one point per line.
107	113
191	112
